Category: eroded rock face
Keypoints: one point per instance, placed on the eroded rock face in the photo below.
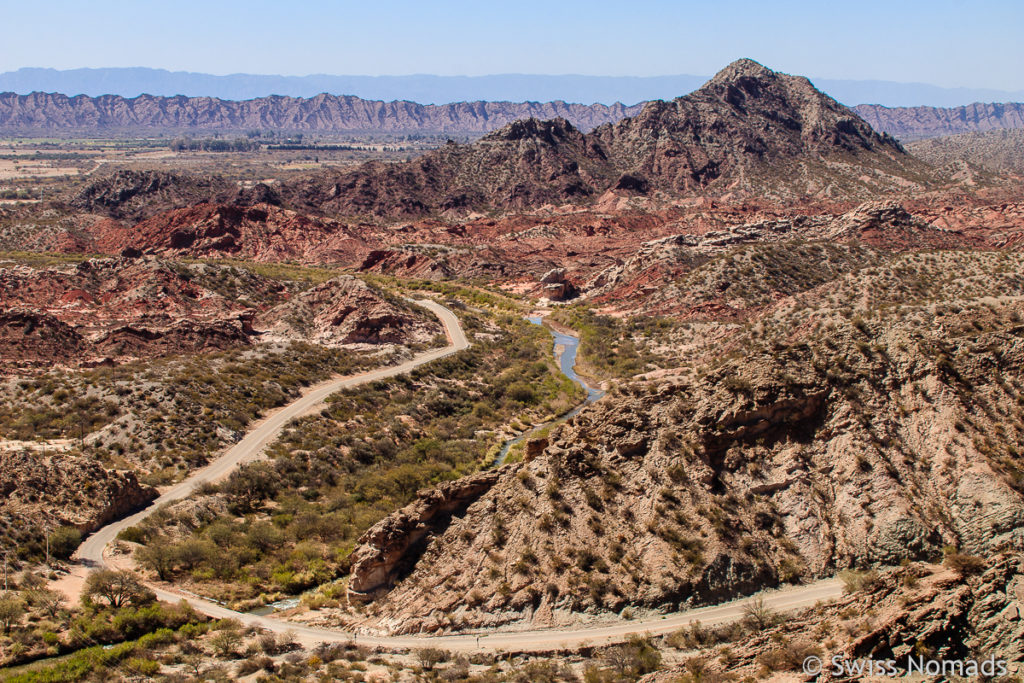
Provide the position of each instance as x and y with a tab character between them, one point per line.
392	546
113	309
345	310
783	465
556	286
110	310
954	617
259	232
64	490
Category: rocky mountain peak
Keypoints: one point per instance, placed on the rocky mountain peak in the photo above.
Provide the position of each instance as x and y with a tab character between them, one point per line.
748	131
551	131
745	83
740	70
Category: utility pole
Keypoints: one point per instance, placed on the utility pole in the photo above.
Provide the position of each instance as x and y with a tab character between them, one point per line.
5	571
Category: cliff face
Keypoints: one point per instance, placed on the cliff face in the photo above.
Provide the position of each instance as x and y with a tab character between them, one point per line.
324	113
63	490
912	123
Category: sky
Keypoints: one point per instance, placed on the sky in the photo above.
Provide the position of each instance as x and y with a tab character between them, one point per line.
942	42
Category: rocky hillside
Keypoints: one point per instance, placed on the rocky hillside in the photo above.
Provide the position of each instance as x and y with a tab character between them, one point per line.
106	310
858	421
997	150
734	273
919	611
345	310
258	232
134	194
114	308
58	489
748	131
744	125
913	123
50	112
525	164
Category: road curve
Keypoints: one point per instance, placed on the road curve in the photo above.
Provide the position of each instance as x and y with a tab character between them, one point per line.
538	640
265	431
91	553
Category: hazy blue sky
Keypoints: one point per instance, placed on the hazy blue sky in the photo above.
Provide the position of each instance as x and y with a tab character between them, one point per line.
945	42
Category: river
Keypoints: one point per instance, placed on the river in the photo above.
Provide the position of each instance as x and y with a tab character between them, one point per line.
567	364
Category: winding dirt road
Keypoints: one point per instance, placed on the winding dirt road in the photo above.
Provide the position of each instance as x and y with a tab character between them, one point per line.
539	640
90	554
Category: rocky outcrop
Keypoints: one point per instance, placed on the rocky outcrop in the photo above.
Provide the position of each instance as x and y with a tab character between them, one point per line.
31	338
556	286
41	112
913	123
129	193
62	489
116	308
920	611
345	310
112	310
391	547
261	232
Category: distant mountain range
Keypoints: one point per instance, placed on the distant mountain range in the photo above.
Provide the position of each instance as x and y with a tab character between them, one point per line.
42	113
329	114
915	123
428	89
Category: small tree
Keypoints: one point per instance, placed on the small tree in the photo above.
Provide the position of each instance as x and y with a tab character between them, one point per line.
159	557
249	485
64	541
116	588
193	552
855	580
633	659
12	609
429	657
226	641
31	581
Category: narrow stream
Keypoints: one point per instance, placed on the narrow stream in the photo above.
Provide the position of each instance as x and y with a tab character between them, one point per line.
567	364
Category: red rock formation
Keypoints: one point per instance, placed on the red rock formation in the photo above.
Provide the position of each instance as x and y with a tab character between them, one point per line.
105	309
